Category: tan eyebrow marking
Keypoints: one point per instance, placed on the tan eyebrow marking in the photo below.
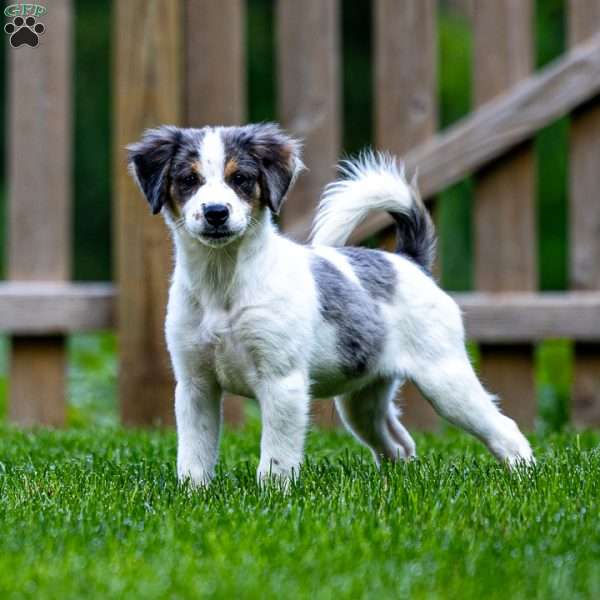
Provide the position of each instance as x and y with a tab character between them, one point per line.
231	167
197	168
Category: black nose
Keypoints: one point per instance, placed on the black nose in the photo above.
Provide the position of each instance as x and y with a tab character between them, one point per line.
215	214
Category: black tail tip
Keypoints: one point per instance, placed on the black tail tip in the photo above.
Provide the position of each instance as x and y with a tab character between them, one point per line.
416	236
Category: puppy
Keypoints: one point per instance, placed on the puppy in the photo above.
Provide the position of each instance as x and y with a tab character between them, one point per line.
255	314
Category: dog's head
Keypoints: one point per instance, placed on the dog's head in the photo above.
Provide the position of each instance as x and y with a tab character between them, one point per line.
213	183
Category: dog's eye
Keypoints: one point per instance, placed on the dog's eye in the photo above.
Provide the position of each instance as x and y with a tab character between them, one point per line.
190	180
241	180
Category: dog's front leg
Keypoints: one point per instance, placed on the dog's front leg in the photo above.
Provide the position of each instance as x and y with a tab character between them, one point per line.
198	414
284	403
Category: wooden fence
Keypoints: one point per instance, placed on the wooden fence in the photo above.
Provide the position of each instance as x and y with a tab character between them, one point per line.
183	61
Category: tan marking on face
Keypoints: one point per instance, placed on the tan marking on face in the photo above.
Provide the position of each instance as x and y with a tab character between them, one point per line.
197	168
256	192
231	167
173	201
253	199
256	199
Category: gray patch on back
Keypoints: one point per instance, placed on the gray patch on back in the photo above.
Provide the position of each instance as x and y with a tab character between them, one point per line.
355	315
374	270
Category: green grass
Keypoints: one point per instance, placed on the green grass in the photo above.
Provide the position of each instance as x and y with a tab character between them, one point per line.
98	514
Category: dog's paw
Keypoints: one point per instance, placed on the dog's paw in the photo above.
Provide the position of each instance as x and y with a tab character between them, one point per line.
511	446
523	457
405	448
193	475
272	473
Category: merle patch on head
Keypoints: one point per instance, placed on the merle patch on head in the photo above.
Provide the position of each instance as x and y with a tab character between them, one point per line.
163	156
256	155
186	172
263	153
374	270
354	314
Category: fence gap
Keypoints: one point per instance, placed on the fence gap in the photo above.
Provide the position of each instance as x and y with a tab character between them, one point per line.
584	238
454	204
308	67
260	61
39	208
406	113
214	41
147	71
505	230
357	48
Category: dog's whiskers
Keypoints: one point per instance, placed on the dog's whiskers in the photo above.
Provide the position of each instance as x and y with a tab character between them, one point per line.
179	223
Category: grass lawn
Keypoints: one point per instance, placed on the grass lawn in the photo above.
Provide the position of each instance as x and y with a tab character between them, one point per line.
98	514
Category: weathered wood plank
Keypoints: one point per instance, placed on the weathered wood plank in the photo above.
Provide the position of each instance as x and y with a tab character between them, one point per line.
39	205
405	113
530	317
308	67
405	73
215	66
501	124
147	65
505	232
53	308
215	91
584	222
37	380
47	309
507	371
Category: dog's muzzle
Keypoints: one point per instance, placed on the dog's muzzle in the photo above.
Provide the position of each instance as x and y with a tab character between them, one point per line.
217	223
216	214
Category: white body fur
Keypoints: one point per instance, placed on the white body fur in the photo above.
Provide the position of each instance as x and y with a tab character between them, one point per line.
246	319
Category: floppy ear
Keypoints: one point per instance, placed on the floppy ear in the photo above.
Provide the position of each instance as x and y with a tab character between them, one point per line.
279	158
149	162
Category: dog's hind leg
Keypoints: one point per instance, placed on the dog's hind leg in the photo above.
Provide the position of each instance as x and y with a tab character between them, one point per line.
449	382
398	432
370	415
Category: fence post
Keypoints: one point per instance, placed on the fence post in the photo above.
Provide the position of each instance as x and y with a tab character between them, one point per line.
584	21
406	113
309	106
148	93
505	232
308	69
215	36
39	206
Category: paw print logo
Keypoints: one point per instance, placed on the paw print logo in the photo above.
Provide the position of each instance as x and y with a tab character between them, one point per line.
24	31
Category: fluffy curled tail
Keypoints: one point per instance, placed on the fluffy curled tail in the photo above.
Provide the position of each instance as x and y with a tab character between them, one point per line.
375	182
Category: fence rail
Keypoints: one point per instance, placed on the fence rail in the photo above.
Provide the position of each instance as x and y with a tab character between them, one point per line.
168	67
501	124
48	309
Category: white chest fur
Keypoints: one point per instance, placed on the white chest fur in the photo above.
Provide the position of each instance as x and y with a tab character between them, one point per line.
257	323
